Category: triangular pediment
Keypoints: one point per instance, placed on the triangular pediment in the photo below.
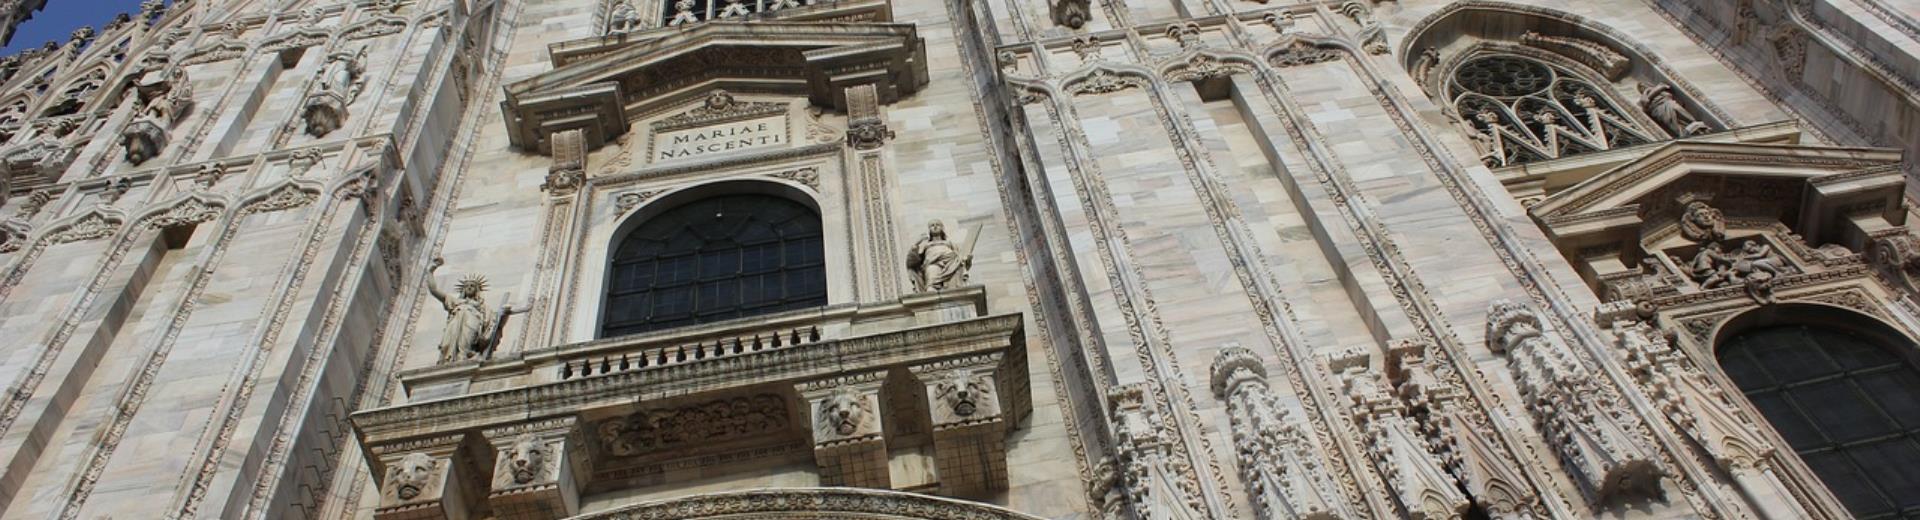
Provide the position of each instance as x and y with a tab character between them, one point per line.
602	93
1807	187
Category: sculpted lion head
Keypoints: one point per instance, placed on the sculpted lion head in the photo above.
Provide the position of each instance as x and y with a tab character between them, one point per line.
844	411
527	459
410	477
962	392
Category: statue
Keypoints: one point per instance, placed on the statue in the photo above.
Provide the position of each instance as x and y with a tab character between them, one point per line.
623	19
935	264
470	332
1660	104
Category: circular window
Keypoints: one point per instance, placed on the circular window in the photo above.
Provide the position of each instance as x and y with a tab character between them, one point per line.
1503	76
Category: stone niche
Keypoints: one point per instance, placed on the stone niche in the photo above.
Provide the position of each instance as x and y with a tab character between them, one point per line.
930	383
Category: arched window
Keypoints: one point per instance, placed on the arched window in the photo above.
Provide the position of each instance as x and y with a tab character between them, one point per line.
1521	109
1847	402
715	258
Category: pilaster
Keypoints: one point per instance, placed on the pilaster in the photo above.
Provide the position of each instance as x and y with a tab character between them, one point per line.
867	136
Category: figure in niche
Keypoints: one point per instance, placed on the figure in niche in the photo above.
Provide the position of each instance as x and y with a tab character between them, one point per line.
1660	104
470	332
935	263
623	18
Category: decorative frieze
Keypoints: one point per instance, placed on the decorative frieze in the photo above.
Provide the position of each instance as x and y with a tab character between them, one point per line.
1285	473
651	430
1586	427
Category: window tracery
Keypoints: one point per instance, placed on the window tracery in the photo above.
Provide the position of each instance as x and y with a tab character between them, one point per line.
1519	109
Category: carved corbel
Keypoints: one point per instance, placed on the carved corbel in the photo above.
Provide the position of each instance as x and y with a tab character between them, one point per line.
569	169
1418	478
1150	478
1578	419
1438	399
1896	253
1283	469
433	478
849	443
866	126
969	424
537	469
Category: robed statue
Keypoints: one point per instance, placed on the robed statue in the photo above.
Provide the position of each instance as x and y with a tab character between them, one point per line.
471	332
935	263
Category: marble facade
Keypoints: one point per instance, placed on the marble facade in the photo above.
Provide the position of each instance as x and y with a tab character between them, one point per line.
1193	258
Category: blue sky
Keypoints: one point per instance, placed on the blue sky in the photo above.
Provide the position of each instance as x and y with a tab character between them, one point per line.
61	17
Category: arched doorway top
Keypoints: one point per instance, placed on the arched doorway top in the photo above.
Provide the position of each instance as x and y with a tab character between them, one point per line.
770	504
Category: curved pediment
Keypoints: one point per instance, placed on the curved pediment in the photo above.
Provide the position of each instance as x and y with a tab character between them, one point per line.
1811	188
600	94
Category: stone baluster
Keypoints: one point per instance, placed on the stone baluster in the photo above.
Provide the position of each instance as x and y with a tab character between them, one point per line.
849	443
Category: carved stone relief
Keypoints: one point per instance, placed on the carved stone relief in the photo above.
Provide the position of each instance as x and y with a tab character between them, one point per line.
723	420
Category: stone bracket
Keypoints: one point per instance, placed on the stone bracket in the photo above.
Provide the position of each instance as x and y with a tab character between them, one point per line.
538	468
431	478
965	406
849	442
